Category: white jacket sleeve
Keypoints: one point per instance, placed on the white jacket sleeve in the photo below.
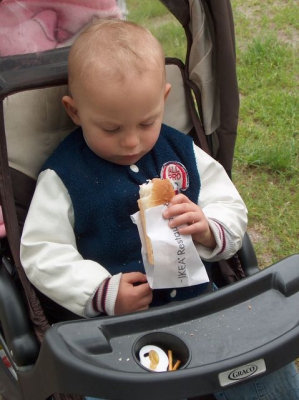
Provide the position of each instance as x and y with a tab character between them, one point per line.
223	207
49	253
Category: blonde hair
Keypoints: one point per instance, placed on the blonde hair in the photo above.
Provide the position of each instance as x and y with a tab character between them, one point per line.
114	49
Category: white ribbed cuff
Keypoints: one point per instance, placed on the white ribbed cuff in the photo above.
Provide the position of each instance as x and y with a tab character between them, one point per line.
103	300
111	293
105	296
223	240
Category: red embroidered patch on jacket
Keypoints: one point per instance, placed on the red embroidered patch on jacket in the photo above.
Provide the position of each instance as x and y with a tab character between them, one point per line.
177	174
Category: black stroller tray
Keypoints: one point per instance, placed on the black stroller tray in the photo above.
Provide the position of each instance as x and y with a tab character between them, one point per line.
221	339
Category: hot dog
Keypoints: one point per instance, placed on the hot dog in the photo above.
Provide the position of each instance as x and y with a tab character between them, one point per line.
152	194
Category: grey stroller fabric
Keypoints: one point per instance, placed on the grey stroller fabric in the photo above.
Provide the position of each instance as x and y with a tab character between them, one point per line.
211	61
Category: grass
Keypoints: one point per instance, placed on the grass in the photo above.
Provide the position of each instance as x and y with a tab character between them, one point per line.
161	23
266	166
267	150
269	103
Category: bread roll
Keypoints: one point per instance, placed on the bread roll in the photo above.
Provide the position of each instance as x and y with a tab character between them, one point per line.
152	194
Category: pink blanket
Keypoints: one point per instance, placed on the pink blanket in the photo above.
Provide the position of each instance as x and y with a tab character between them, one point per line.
28	26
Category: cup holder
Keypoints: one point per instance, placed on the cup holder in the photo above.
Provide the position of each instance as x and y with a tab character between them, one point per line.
165	342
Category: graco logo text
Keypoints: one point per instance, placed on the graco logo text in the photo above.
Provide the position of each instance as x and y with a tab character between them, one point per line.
243	372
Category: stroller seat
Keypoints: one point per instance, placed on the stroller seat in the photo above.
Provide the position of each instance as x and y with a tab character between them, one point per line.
42	123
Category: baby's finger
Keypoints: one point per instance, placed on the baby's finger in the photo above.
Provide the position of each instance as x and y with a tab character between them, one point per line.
190	229
178	199
185	218
143	290
178	210
134	277
145	297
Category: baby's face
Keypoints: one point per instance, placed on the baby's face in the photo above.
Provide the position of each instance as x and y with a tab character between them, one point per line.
121	121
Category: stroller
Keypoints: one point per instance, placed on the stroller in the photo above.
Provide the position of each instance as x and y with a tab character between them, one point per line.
222	338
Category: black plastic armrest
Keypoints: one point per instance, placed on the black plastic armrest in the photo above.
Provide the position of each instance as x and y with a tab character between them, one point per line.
247	257
223	338
17	330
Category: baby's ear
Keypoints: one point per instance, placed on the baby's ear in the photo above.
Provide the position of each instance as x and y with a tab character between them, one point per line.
71	109
167	90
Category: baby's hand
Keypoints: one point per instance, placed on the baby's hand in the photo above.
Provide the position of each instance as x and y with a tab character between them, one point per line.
134	293
190	220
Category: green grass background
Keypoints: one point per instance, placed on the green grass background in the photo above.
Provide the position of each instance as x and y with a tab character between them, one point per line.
266	165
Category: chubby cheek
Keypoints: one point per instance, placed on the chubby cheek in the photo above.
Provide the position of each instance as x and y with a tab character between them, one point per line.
151	138
99	145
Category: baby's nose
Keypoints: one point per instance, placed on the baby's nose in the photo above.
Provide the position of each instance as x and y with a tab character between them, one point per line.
130	139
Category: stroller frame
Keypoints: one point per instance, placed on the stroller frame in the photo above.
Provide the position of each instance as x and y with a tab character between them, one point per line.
98	357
